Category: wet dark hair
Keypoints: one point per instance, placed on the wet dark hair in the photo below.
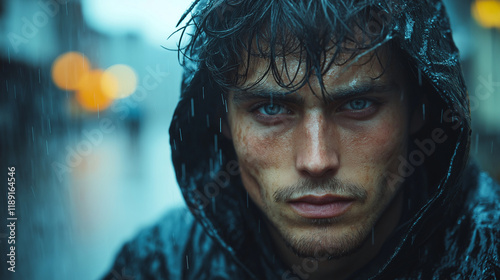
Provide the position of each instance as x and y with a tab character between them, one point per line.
226	34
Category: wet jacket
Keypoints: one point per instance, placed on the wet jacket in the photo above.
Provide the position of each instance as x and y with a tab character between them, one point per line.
450	228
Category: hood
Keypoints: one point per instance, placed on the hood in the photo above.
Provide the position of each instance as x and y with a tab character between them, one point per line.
205	161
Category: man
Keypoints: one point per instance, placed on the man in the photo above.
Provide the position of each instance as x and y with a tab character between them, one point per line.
322	140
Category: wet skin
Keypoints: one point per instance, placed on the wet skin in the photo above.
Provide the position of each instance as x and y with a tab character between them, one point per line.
317	170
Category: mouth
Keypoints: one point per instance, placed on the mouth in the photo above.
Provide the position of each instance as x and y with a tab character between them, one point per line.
321	207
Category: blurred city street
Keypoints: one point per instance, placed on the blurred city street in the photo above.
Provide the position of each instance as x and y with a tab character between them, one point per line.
90	176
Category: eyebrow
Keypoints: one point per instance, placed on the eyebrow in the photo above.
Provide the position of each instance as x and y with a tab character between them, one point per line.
360	90
261	93
288	96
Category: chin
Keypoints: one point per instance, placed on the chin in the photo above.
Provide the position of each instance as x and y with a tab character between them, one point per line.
323	243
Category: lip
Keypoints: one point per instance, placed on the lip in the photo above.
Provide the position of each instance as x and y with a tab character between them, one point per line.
321	207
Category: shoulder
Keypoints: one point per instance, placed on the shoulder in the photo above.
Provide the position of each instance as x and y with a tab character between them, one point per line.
155	252
177	247
472	243
483	203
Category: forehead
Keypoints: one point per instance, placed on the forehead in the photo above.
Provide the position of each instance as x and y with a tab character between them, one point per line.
292	72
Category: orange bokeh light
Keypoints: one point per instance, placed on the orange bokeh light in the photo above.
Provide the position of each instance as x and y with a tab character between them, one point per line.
94	89
68	69
487	12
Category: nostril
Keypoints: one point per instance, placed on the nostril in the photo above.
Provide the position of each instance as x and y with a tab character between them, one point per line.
315	170
318	165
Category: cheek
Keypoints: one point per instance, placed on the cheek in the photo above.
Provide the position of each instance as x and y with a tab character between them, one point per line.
388	140
261	149
262	156
374	149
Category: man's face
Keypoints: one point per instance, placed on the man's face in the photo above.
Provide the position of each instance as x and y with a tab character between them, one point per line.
316	169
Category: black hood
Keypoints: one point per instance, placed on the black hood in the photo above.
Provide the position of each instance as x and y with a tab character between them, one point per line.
206	164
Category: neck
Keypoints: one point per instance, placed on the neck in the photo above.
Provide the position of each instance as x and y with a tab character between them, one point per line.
321	268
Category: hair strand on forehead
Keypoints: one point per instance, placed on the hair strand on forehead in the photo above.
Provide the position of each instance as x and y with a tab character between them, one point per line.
224	36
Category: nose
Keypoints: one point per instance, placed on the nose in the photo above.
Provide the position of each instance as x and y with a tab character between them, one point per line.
316	154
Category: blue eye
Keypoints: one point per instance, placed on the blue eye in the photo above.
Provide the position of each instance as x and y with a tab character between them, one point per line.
358	104
271	109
